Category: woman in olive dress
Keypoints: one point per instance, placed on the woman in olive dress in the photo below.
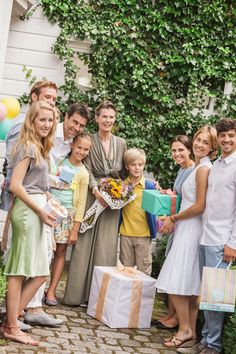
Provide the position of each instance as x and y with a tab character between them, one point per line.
27	265
98	245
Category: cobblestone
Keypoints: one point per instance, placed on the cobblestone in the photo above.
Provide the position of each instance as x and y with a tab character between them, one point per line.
82	334
141	339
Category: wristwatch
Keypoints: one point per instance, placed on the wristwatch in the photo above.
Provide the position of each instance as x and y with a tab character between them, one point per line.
94	189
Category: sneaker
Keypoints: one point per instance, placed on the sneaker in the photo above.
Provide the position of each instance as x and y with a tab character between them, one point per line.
209	351
197	348
23	326
42	319
84	306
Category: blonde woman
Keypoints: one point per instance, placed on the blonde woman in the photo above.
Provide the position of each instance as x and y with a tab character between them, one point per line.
27	265
180	274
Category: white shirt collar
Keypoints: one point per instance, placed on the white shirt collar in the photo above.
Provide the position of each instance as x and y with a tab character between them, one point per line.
229	158
60	134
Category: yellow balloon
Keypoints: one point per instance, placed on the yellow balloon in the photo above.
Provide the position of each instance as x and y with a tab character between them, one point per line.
12	105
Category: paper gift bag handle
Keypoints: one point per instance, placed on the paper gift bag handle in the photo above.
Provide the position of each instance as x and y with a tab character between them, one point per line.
220	262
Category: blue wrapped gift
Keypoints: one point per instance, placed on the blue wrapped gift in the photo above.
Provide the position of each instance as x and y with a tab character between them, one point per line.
160	204
66	174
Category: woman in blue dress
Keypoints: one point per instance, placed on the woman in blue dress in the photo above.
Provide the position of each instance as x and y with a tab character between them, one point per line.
181	151
180	273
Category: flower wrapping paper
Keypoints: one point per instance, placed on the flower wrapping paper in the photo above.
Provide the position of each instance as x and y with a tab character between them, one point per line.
96	209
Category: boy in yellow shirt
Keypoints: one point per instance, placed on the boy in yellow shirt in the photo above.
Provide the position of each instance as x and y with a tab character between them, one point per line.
137	226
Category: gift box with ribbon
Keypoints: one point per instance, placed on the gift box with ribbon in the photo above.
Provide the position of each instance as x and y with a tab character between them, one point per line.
121	297
66	174
161	203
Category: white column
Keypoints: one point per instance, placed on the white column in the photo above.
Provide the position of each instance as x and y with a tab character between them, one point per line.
5	19
228	89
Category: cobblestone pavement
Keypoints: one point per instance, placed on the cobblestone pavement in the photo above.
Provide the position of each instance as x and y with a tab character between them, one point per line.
82	334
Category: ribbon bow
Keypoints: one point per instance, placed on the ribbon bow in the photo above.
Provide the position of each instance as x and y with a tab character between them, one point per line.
172	196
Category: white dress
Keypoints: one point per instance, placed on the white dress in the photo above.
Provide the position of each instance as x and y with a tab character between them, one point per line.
180	273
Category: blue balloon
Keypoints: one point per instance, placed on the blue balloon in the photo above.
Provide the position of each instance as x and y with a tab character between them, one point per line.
5	126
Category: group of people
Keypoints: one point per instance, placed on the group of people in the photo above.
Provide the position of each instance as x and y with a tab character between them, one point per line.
204	233
204	228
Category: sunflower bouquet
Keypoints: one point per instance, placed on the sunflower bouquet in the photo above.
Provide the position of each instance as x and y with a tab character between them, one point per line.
115	192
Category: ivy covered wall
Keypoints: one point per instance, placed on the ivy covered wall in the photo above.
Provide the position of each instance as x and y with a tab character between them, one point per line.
157	60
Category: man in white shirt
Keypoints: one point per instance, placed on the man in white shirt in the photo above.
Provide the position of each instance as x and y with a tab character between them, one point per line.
74	123
218	242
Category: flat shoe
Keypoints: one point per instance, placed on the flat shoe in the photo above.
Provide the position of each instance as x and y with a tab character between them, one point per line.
161	325
189	343
173	343
50	302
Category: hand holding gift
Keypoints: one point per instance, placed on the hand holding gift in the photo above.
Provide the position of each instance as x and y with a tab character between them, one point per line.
166	225
56	210
100	198
115	192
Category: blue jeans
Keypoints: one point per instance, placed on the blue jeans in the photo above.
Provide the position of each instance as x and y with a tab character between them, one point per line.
214	320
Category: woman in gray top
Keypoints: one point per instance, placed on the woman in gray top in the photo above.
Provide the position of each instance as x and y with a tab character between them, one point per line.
27	265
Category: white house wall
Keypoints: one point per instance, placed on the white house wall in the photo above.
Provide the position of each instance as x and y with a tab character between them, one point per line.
30	43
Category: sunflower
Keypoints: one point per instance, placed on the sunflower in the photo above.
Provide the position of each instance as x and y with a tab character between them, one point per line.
113	184
116	192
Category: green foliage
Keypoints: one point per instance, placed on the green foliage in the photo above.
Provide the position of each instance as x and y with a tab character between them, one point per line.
3	281
229	335
158	257
29	75
157	60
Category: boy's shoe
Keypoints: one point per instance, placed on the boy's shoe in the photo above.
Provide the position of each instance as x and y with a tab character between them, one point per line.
42	319
84	306
196	349
209	351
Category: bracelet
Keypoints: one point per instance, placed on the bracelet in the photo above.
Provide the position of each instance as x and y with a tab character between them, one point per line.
172	218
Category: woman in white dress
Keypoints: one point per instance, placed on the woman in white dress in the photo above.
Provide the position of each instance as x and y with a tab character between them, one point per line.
180	274
181	151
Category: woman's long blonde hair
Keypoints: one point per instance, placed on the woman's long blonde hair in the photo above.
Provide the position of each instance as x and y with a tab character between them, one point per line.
28	135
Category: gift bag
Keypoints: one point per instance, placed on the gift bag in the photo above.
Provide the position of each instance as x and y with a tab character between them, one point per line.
218	289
